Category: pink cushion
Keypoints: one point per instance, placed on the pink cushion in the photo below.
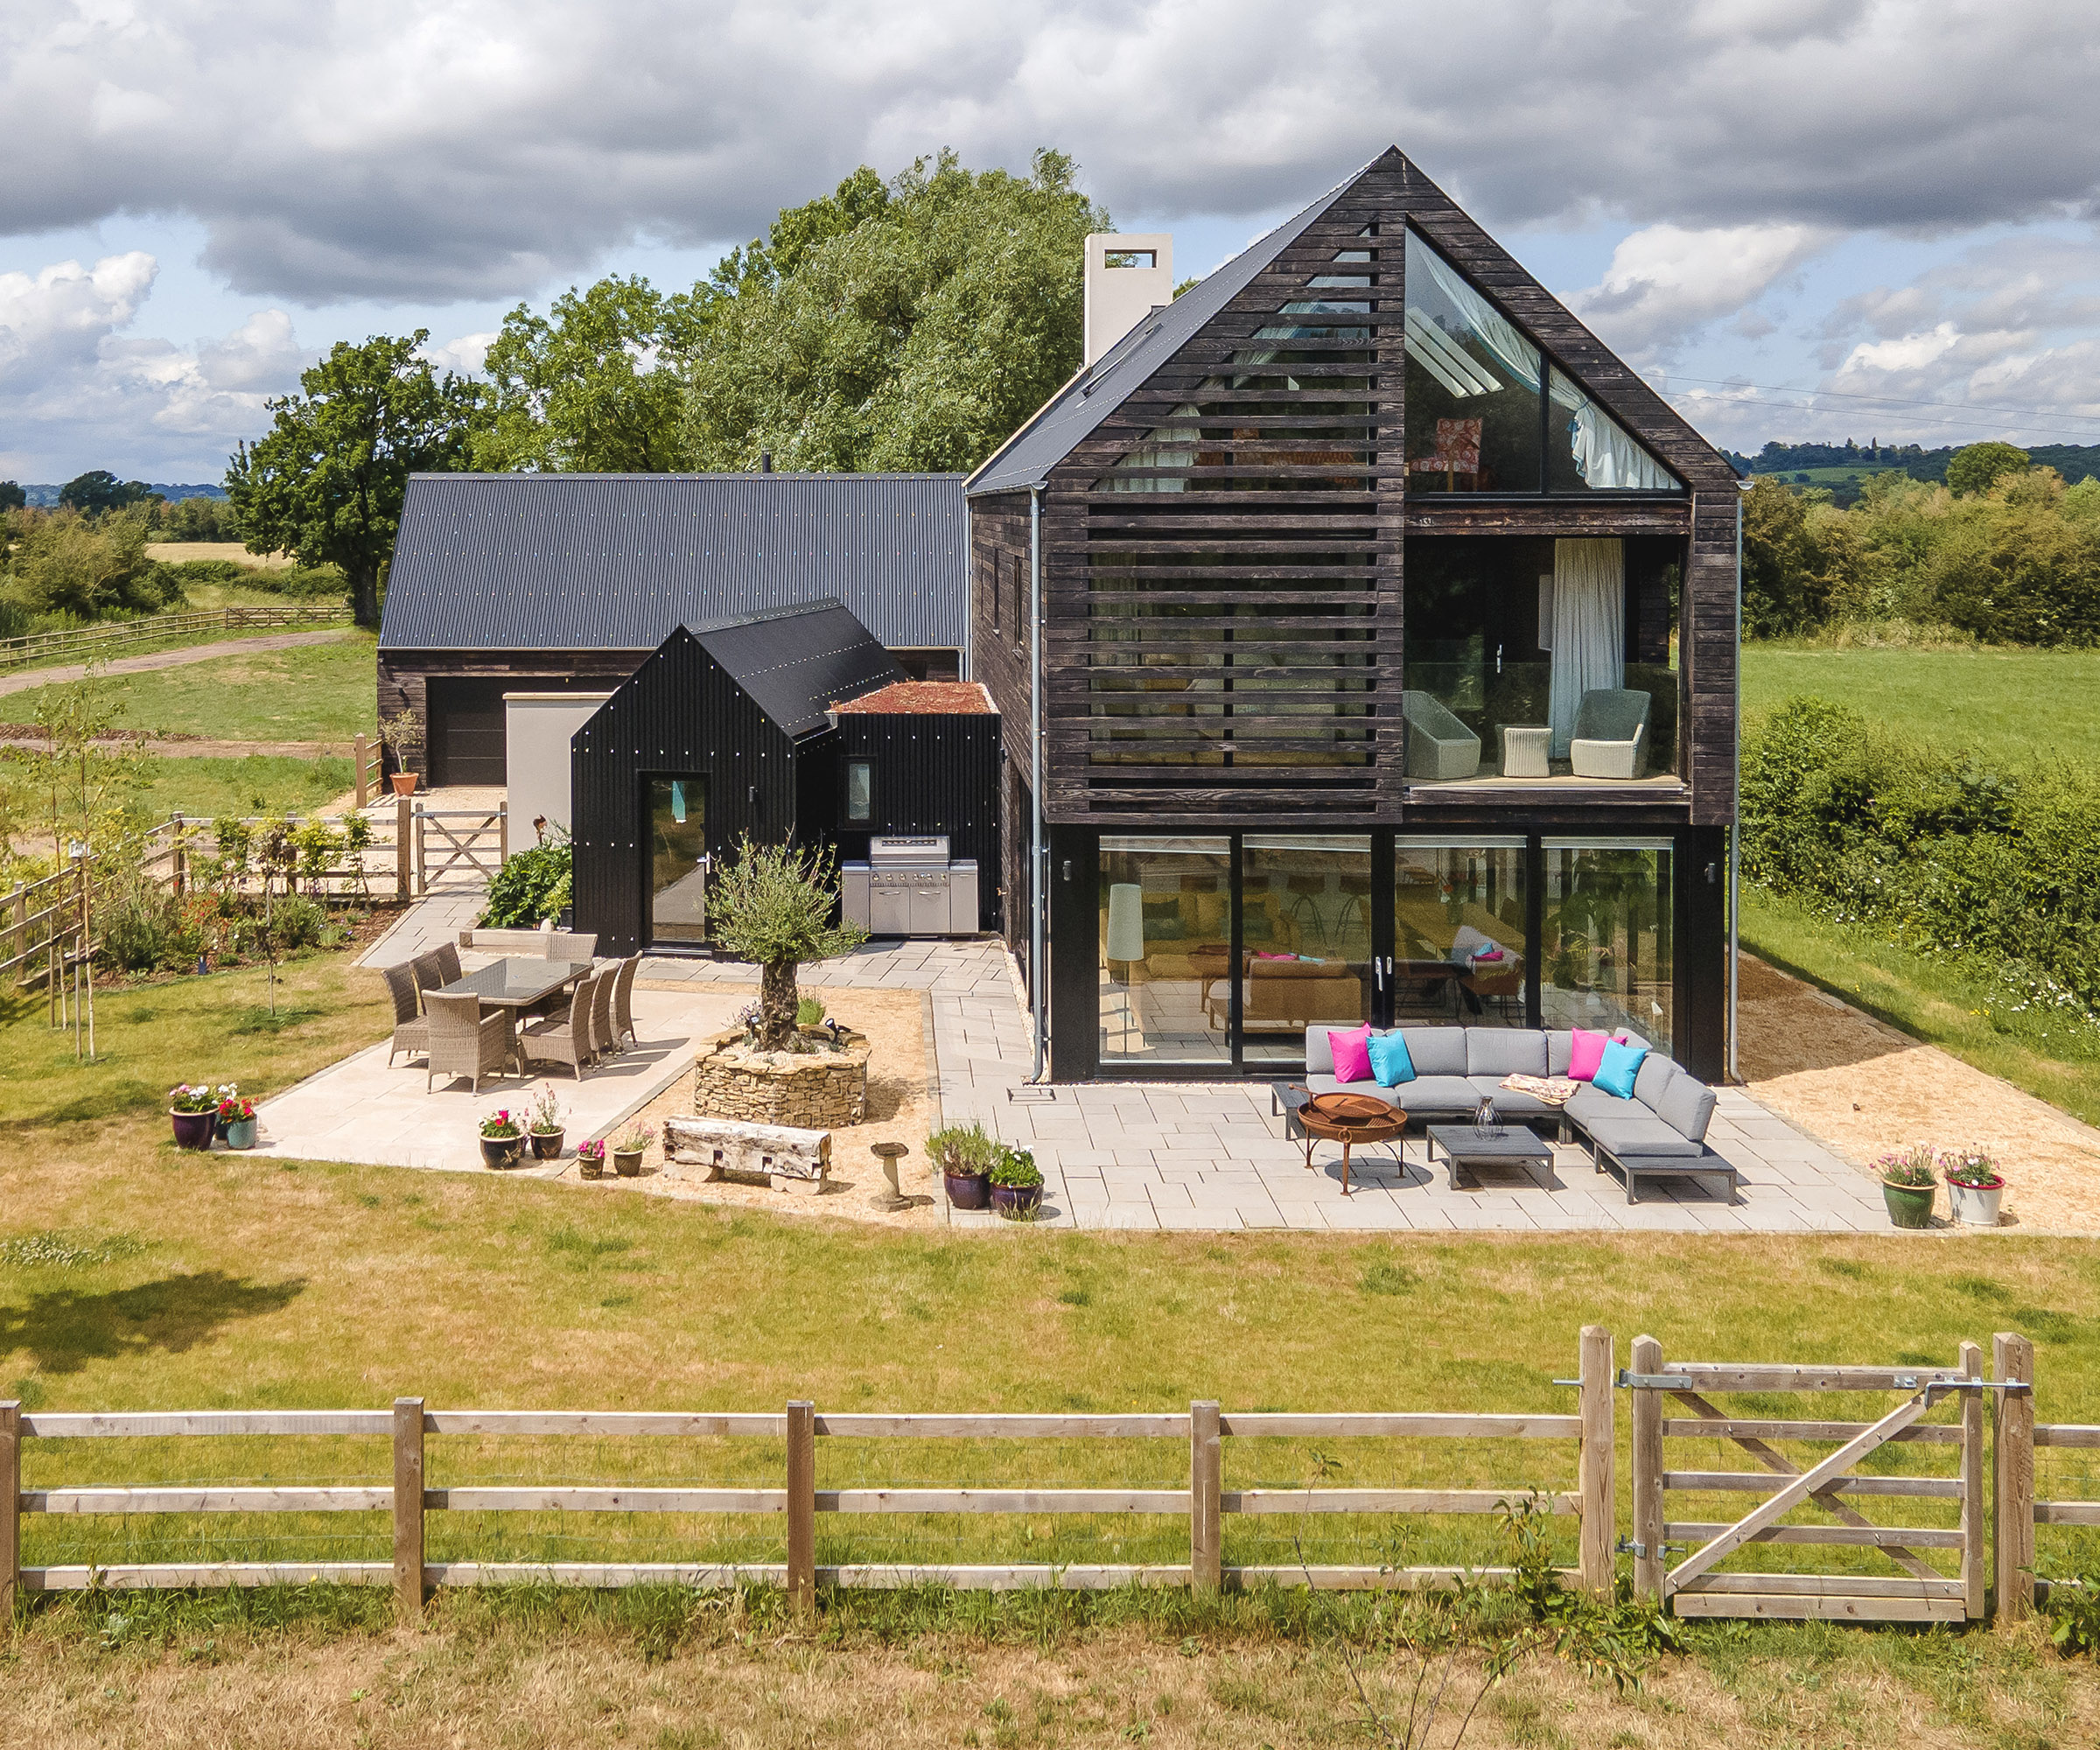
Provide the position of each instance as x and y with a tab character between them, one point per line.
1352	1053
1585	1054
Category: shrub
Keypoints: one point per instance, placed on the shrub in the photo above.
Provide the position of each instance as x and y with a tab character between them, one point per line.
145	928
963	1148
297	922
1014	1167
530	888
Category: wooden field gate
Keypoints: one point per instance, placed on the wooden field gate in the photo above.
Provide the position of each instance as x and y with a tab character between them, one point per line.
1917	1591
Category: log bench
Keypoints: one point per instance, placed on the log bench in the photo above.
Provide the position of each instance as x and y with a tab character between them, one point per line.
785	1158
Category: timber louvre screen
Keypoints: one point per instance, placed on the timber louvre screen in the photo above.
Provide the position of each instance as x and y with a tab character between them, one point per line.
1242	556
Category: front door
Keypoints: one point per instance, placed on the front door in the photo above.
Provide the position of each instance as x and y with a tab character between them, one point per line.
674	809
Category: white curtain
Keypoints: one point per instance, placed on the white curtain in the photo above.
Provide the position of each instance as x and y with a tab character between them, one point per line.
1605	457
1589	629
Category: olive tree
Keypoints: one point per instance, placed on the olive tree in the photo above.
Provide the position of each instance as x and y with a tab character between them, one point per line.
775	904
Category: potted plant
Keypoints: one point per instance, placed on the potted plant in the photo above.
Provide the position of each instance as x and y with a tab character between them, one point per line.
777	905
1017	1183
591	1158
545	1129
195	1110
628	1151
1907	1185
503	1142
966	1153
1974	1186
403	736
236	1116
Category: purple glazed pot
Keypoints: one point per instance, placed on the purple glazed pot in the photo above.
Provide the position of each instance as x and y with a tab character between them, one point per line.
1014	1201
968	1190
193	1130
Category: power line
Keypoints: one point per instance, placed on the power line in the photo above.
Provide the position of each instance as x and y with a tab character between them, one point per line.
1946	410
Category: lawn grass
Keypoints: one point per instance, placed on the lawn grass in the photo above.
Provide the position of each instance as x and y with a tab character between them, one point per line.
257	784
1930	999
2011	708
312	692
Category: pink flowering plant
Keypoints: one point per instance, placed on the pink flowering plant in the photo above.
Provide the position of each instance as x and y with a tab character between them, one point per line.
637	1137
186	1097
499	1126
233	1105
1971	1169
592	1149
1911	1167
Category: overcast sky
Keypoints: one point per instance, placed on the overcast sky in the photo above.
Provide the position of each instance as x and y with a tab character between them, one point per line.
1892	205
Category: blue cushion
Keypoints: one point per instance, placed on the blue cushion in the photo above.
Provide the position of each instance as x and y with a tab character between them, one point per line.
1391	1065
1622	1064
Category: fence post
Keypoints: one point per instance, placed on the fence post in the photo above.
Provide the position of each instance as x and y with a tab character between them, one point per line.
1647	1472
423	851
2013	1357
178	861
1206	1499
403	865
17	910
502	833
357	759
10	1508
1599	1478
802	1507
408	1507
1973	1518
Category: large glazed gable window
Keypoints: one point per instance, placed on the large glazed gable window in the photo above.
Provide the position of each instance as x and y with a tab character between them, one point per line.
1486	412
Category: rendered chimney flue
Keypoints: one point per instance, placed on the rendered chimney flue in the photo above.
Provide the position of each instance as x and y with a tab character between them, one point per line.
1128	277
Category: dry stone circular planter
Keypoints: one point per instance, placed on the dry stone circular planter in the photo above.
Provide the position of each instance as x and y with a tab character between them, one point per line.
819	1090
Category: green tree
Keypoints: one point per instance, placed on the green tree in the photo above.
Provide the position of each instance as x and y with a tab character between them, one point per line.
11	495
100	490
775	905
1976	468
326	482
1777	593
592	387
912	327
63	563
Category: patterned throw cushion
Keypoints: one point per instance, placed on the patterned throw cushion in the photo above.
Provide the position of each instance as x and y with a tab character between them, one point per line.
1352	1053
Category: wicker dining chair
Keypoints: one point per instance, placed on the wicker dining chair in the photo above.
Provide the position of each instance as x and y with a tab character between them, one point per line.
464	1041
411	1031
563	1041
623	1000
448	964
429	972
605	1034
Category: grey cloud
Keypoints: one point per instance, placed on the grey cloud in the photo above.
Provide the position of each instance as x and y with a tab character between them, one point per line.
468	148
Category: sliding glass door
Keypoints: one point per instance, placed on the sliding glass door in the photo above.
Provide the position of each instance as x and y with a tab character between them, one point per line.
1607	959
1305	940
1459	932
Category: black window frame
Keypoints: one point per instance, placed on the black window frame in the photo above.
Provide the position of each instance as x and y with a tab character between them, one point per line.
846	816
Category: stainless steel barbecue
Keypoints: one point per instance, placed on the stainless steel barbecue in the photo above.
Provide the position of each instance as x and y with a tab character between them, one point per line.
909	886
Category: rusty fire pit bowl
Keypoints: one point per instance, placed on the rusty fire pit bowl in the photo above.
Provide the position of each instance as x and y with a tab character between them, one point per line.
1350	1108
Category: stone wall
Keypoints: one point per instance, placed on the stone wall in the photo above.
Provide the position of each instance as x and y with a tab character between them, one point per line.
818	1090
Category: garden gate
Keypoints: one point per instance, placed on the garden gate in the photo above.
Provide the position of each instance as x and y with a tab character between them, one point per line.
1918	1592
458	847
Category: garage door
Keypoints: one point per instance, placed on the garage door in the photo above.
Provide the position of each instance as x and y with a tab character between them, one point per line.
466	729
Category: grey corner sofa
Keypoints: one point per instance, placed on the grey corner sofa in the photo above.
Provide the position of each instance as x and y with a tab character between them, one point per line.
1660	1132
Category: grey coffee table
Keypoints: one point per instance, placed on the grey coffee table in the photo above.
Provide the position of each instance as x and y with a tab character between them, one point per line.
1466	1149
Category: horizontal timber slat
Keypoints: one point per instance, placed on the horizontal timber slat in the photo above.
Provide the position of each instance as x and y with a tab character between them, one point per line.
1422	1425
1004	1427
154	1423
207	1499
601	1421
1003	1501
2045	1434
2066	1512
1741	1428
1834	1585
1870	1537
1788	1607
1725	1376
526	1500
125	1576
1016	1577
600	1573
1764	1482
1389	1500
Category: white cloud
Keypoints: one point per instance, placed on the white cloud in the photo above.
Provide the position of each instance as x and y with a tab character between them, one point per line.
464	354
74	383
447	148
1665	283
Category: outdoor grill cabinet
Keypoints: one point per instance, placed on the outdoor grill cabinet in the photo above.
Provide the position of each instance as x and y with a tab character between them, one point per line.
909	886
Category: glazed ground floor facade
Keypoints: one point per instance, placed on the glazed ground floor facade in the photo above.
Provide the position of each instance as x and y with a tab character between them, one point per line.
1200	954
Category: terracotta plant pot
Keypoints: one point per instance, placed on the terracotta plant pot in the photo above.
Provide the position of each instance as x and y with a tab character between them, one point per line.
240	1133
591	1165
1013	1202
1909	1205
968	1190
546	1145
404	783
194	1129
1976	1205
499	1152
627	1163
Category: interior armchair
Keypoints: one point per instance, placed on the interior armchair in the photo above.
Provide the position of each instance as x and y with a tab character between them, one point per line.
1611	734
1439	746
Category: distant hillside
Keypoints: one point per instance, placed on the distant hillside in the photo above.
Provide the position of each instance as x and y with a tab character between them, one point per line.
1843	466
46	498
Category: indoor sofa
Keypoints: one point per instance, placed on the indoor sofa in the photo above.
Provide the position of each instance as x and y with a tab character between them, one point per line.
1659	1131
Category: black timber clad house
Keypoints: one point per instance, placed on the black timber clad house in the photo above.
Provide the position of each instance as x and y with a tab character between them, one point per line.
1308	544
726	731
551	583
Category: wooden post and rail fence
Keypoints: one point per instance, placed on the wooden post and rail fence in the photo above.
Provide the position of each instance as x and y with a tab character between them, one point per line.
1977	1559
87	643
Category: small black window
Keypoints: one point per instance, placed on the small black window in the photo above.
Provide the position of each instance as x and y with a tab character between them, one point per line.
860	790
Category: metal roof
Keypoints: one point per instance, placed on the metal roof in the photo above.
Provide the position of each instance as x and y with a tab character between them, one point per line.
1071	414
794	662
614	562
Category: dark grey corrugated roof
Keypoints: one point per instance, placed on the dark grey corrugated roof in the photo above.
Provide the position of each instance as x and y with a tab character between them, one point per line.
1091	396
613	562
795	661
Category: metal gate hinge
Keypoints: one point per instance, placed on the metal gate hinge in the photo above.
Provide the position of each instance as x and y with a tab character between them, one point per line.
1632	1546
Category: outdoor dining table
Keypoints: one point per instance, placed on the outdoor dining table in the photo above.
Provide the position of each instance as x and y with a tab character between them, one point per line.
517	984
